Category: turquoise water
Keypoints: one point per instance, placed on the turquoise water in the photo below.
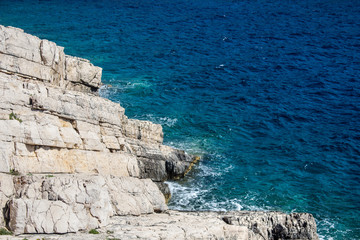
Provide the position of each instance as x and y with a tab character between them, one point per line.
266	91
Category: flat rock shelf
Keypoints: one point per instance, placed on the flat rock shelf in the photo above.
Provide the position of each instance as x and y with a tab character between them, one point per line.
71	161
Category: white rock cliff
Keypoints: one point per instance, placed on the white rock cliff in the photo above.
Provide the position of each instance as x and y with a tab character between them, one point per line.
71	161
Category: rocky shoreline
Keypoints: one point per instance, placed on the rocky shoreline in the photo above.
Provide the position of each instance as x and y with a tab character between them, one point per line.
71	161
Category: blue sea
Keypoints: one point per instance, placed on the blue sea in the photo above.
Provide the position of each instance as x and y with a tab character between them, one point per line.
266	91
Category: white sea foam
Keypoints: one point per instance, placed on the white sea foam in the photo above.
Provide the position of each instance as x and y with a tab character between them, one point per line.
170	122
185	195
221	66
193	195
104	91
194	198
123	85
321	237
139	85
208	171
327	227
327	223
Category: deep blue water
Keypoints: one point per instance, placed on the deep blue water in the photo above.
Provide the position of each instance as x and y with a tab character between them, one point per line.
266	91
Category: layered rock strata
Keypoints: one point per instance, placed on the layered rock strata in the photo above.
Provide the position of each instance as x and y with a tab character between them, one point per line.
52	121
201	225
49	129
32	57
71	161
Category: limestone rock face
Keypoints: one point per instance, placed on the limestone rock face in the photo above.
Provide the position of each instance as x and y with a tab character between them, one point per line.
176	225
32	57
81	72
46	126
204	225
69	203
274	225
64	131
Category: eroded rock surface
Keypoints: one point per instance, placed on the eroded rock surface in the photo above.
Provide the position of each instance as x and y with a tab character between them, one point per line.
274	225
32	57
62	131
203	225
69	203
